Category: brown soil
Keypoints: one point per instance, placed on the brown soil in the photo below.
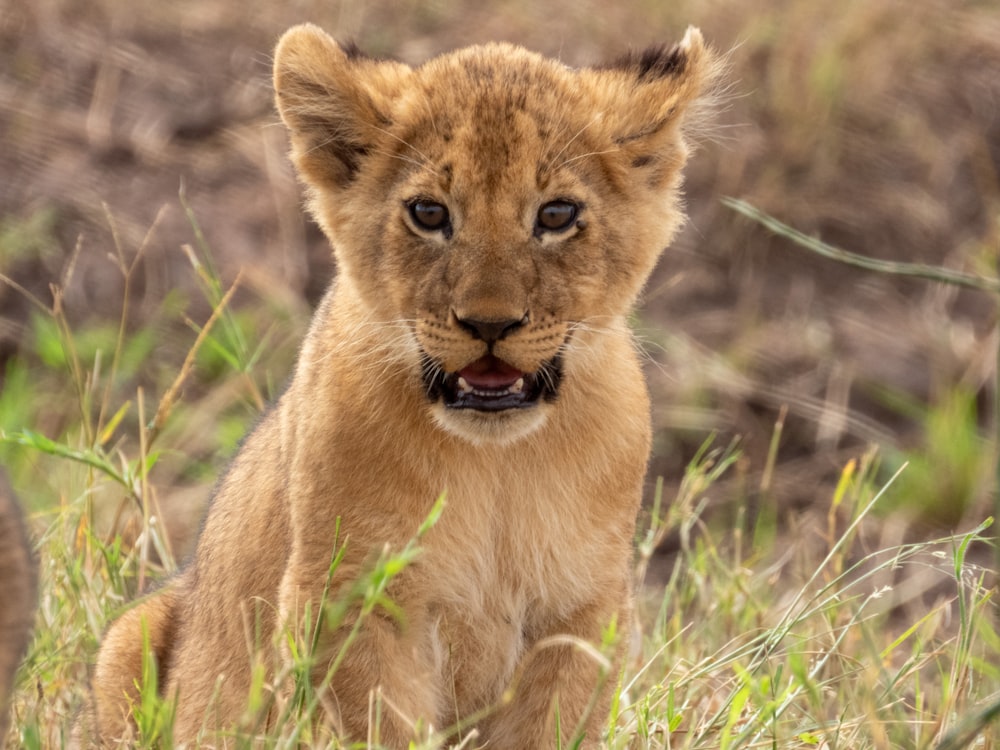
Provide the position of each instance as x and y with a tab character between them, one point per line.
875	125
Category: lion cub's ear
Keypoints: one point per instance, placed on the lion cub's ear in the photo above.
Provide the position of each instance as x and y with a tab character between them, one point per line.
336	102
646	98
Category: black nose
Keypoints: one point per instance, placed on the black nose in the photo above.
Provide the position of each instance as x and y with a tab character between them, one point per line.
491	331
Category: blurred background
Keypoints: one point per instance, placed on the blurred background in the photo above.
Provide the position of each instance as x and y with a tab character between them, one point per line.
142	168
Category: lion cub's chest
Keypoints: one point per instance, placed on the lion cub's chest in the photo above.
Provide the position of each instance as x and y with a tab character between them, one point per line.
510	559
516	539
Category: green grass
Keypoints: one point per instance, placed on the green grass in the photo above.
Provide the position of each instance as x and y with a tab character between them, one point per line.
778	637
828	629
819	647
955	465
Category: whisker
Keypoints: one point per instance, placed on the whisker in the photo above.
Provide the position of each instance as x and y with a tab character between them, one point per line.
432	115
426	161
403	158
394	340
578	133
584	156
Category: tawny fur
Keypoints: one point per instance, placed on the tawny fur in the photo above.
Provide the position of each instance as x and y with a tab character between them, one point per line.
532	552
17	597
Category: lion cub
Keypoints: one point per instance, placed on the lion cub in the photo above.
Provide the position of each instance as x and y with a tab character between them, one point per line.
494	215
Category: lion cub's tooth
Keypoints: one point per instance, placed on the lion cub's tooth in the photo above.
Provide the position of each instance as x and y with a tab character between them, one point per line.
518	386
463	385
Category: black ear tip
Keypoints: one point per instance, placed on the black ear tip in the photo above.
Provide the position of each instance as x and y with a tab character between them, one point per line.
662	61
657	61
353	51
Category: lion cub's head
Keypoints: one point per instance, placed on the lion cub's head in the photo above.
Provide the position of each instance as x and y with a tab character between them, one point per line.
501	208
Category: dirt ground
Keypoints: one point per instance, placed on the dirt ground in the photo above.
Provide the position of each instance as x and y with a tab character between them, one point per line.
874	125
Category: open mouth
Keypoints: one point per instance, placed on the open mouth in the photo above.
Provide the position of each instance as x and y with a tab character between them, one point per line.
490	384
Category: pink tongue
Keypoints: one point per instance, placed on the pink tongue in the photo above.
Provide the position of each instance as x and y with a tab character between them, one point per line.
490	373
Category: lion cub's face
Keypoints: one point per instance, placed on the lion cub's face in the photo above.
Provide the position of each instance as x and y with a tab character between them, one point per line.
498	208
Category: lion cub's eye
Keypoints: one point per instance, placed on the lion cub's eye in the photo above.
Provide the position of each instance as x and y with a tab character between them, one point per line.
428	215
556	216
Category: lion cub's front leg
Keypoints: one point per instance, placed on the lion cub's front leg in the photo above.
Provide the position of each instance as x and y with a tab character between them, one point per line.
563	689
378	678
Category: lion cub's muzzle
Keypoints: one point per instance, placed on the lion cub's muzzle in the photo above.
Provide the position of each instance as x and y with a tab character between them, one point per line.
489	383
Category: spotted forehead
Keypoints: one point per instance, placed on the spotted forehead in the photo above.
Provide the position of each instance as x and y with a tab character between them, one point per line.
496	105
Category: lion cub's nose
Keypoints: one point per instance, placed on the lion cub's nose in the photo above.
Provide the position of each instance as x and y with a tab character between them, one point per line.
491	331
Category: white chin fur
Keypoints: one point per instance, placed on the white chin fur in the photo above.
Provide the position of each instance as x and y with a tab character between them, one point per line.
490	428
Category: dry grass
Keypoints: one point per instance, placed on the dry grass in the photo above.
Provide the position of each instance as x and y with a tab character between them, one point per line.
869	123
